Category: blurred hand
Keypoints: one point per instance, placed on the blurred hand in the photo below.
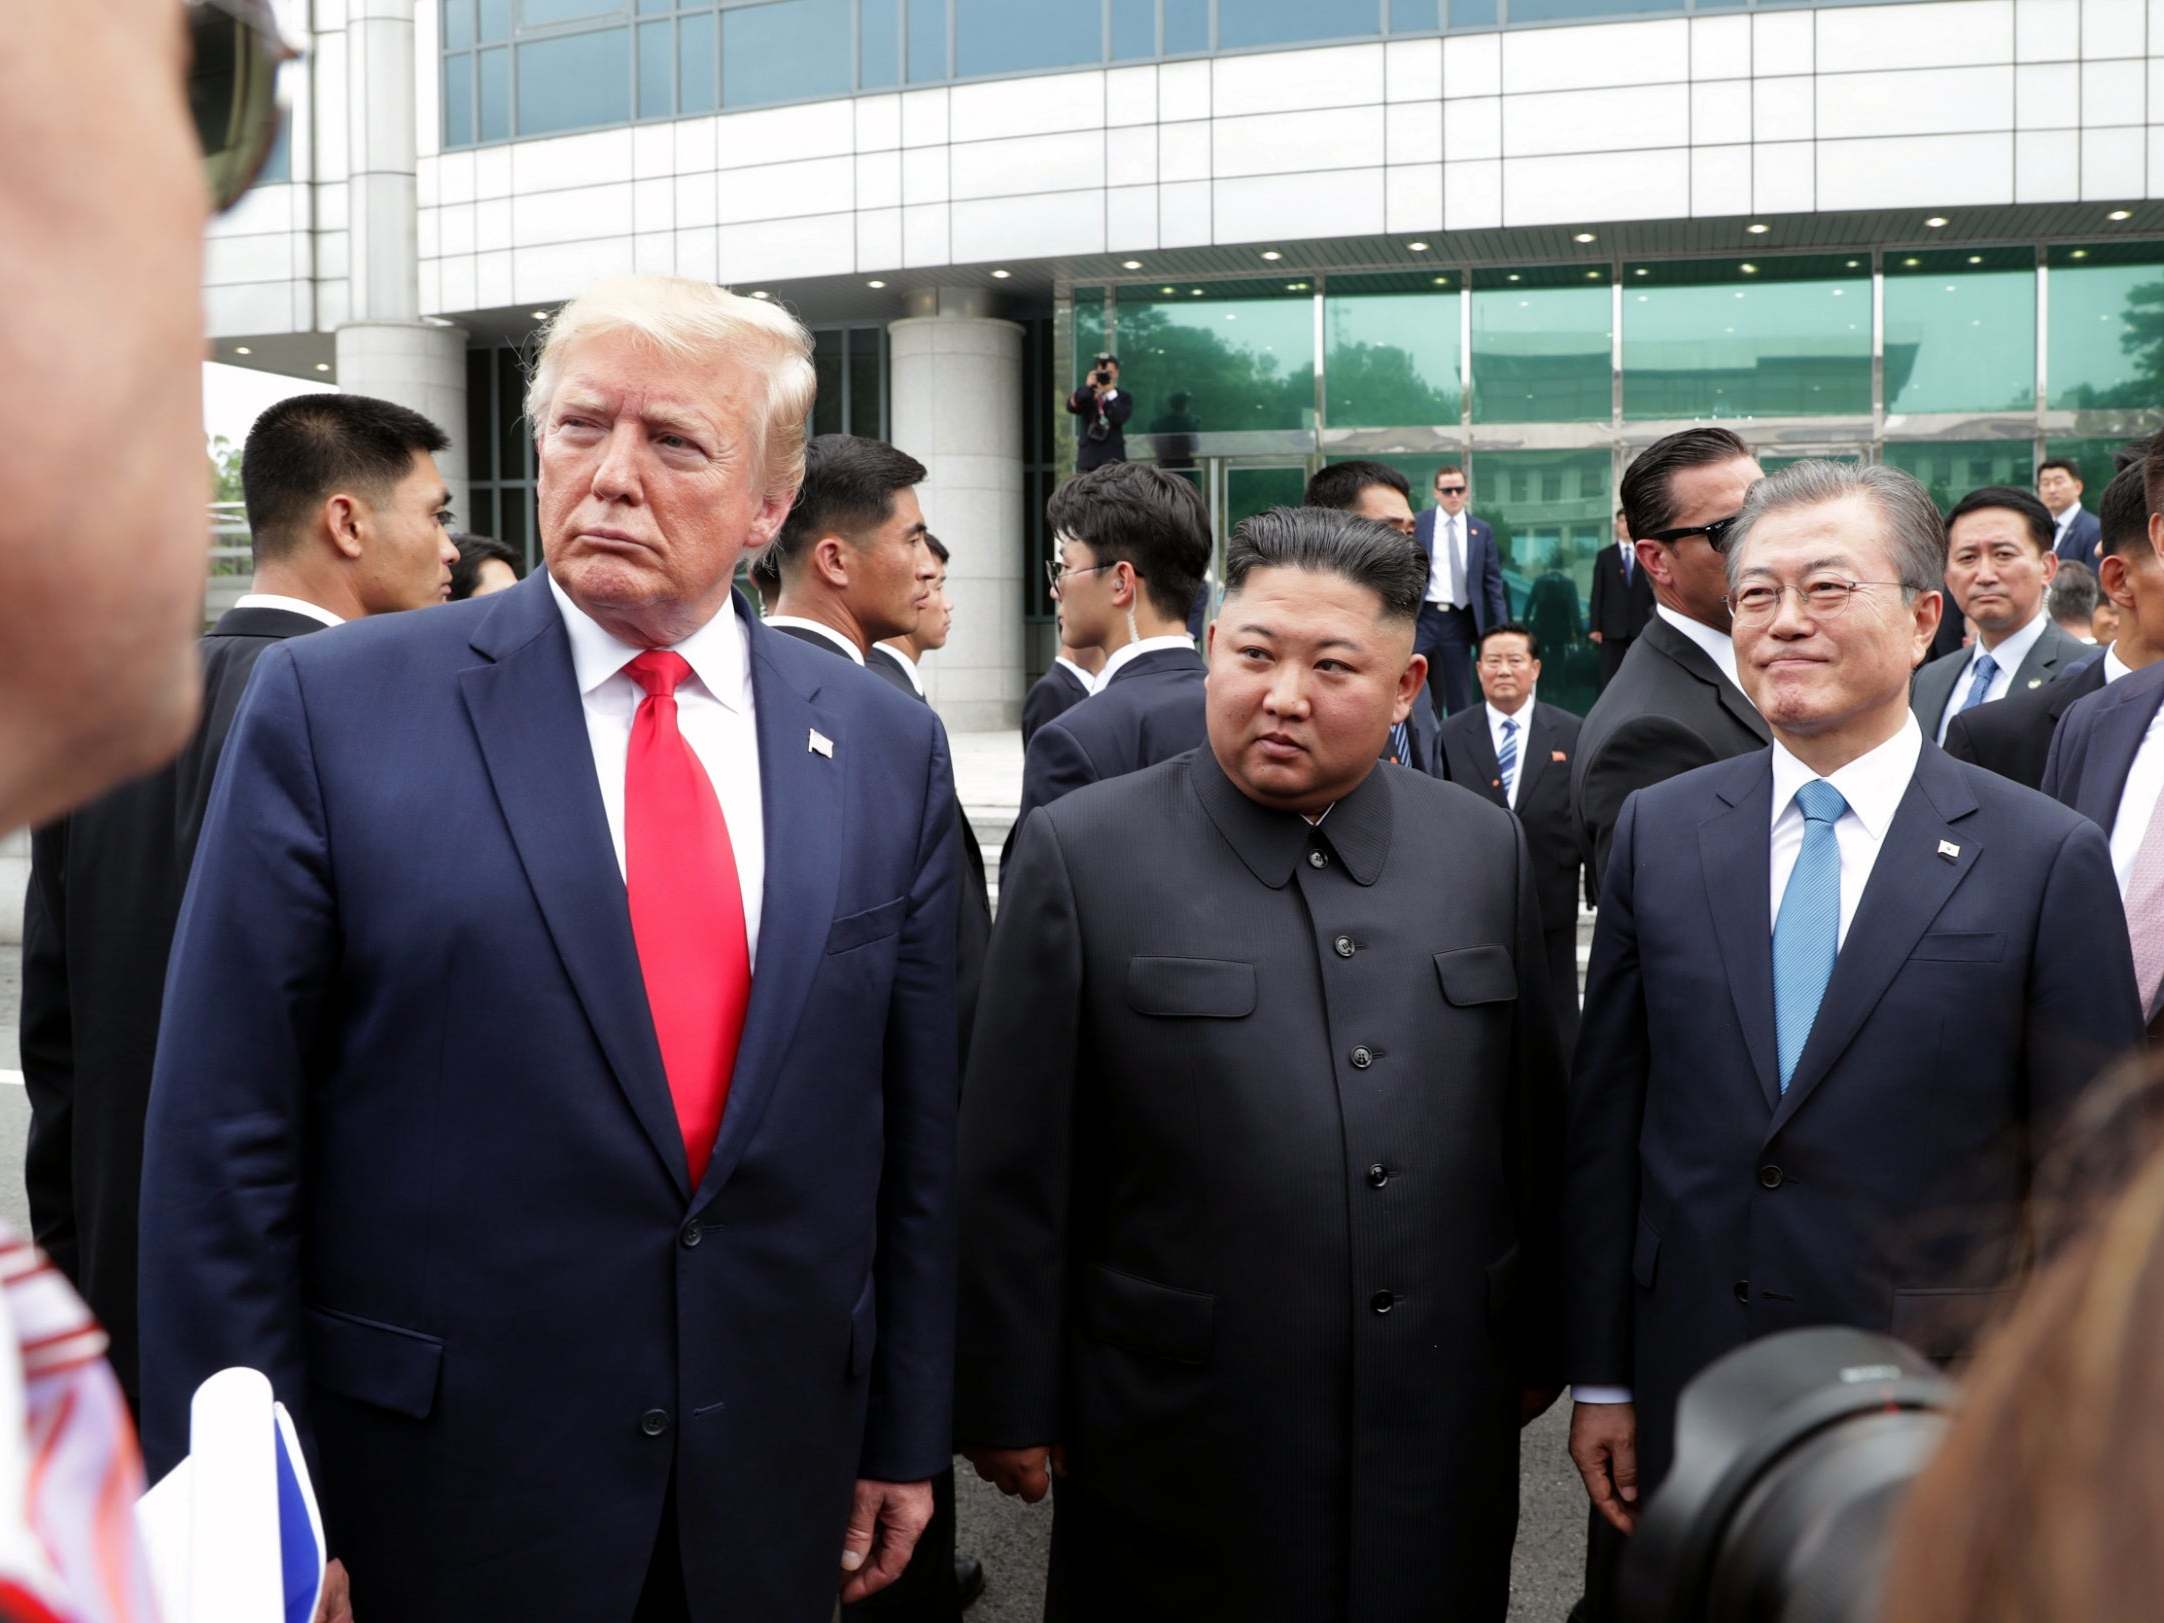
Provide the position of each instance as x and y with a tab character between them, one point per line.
1594	635
1024	1473
336	1606
1534	1401
1604	1447
885	1521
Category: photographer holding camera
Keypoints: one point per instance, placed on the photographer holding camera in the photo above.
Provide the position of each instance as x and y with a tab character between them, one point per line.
1101	434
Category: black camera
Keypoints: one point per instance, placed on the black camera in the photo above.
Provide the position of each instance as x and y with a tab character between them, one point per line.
1791	1456
1102	376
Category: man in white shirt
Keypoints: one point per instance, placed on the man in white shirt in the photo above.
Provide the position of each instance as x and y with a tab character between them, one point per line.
1796	1056
2076	534
1465	593
1999	565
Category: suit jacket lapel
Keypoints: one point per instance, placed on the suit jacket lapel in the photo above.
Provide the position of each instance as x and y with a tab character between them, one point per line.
1700	664
531	723
2119	732
1908	887
1734	850
1480	748
1532	749
2049	653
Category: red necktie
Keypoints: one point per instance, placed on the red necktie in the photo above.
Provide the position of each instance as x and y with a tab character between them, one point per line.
687	914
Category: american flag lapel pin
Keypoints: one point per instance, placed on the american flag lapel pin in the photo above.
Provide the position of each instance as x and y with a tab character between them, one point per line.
1950	851
821	744
1557	755
2036	681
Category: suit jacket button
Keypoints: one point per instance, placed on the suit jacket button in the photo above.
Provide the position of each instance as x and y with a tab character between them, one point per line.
1769	1177
1362	1059
654	1422
1378	1175
1344	945
1317	859
692	1234
1382	1301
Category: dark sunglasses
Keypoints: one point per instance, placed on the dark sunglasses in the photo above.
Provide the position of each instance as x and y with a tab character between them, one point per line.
235	49
1449	490
1716	533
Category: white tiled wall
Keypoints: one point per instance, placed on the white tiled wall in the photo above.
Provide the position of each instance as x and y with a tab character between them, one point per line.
1938	104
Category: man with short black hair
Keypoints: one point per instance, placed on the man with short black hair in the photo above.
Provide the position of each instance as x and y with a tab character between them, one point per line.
485	566
1259	1143
348	517
1999	564
899	655
2076	535
1622	600
851	557
1465	588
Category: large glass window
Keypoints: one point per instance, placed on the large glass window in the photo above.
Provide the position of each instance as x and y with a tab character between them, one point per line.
458	101
1217	359
1788	337
1390	356
1950	469
2094	461
1243	23
540	13
879	44
657	70
1017	36
1134	29
1415	16
1187	26
1552	512
2107	327
1542	351
574	82
784	50
496	94
697	88
927	40
1961	330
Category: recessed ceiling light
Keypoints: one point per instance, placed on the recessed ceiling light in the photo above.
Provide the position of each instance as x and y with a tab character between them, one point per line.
1168	290
1641	271
242	349
1758	228
323	366
2079	253
1271	253
1935	222
762	294
1854	263
1641	298
1296	287
1912	263
540	315
1001	275
1130	264
1417	247
1196	291
1442	281
1976	259
1592	276
875	283
1513	276
1748	270
1837	292
1585	236
1231	316
2120	214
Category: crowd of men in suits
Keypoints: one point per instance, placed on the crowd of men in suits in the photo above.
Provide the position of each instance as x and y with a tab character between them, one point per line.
590	1082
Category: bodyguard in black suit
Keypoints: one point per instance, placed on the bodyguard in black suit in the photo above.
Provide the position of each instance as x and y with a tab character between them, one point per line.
1622	600
1840	989
345	512
1465	591
1530	774
1134	541
1258	1142
1064	685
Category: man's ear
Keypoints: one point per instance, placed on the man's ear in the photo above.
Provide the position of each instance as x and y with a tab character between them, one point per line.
345	521
1654	559
830	560
1410	682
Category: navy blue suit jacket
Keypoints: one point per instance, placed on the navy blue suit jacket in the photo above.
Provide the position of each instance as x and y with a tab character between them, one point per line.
1483	569
412	1151
1150	711
1985	979
2082	539
2093	747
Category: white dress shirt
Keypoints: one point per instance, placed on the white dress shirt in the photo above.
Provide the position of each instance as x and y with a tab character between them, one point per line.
1135	650
2007	656
1086	678
1444	587
2114	666
779	621
1872	784
1524	718
908	665
1718	646
2059	524
292	605
2137	802
714	714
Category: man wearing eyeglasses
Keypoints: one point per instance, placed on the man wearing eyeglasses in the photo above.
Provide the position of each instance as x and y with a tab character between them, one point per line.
1675	703
1465	590
1840	988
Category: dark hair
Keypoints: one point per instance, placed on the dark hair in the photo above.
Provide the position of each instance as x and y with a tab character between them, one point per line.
1510	628
1332	542
1648	490
1447	467
473	552
303	451
1144	517
938	547
2152	471
2074	593
2062	464
1340	484
2010	499
849	486
2123	515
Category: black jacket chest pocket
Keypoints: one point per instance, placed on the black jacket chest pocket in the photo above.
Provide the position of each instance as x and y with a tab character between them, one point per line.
1196	988
1475	975
873	924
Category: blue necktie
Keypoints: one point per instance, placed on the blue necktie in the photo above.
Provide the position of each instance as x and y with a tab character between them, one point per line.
1629	563
1401	738
1507	758
1807	935
1987	669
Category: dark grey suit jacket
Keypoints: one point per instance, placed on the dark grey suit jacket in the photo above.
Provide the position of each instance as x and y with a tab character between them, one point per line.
1259	1131
2013	739
1055	693
2052	655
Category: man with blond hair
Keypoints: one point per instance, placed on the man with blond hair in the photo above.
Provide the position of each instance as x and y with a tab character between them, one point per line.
618	1283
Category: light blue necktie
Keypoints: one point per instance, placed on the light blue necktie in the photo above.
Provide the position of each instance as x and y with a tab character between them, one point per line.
1807	935
1987	669
1507	757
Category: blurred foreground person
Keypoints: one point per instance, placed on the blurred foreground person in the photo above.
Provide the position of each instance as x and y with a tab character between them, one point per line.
1261	1187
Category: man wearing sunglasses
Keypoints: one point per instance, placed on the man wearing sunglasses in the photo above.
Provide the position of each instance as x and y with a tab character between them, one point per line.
1465	590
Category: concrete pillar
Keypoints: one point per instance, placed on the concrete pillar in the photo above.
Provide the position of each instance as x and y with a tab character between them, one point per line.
419	366
955	395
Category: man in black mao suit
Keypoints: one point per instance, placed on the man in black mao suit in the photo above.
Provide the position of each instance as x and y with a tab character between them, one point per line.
1465	591
1259	1141
1840	988
345	517
1622	600
1133	542
1516	751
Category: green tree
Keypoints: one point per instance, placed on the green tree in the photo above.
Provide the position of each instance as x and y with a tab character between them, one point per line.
224	470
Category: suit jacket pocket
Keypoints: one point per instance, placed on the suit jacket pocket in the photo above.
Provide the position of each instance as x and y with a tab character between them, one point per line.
873	924
1646	1254
374	1363
1157	1321
1961	947
1475	975
1197	988
863	1331
1945	1322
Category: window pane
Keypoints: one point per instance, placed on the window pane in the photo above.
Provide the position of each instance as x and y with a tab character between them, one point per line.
575	82
1415	16
534	13
2093	459
1187	26
827	370
697	88
1469	13
1950	470
1134	29
1540	11
1552	512
1089	330
457	24
495	20
1015	36
657	69
879	44
496	95
1391	358
513	524
1541	350
867	401
1710	339
513	432
2107	326
479	517
785	50
480	431
659	5
278	163
1285	22
458	101
1216	360
1961	331
927	40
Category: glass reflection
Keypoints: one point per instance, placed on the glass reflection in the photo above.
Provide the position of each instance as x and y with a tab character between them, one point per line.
1713	339
1391	351
1961	330
1552	513
1018	36
2107	327
1541	347
575	82
1216	359
1951	469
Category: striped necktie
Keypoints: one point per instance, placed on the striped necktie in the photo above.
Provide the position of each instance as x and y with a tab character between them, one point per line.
1506	758
1401	739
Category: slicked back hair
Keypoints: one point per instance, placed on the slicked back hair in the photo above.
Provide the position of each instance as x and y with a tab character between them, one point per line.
1648	489
2123	515
1340	484
848	490
303	451
1331	542
1915	541
1144	517
2012	499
